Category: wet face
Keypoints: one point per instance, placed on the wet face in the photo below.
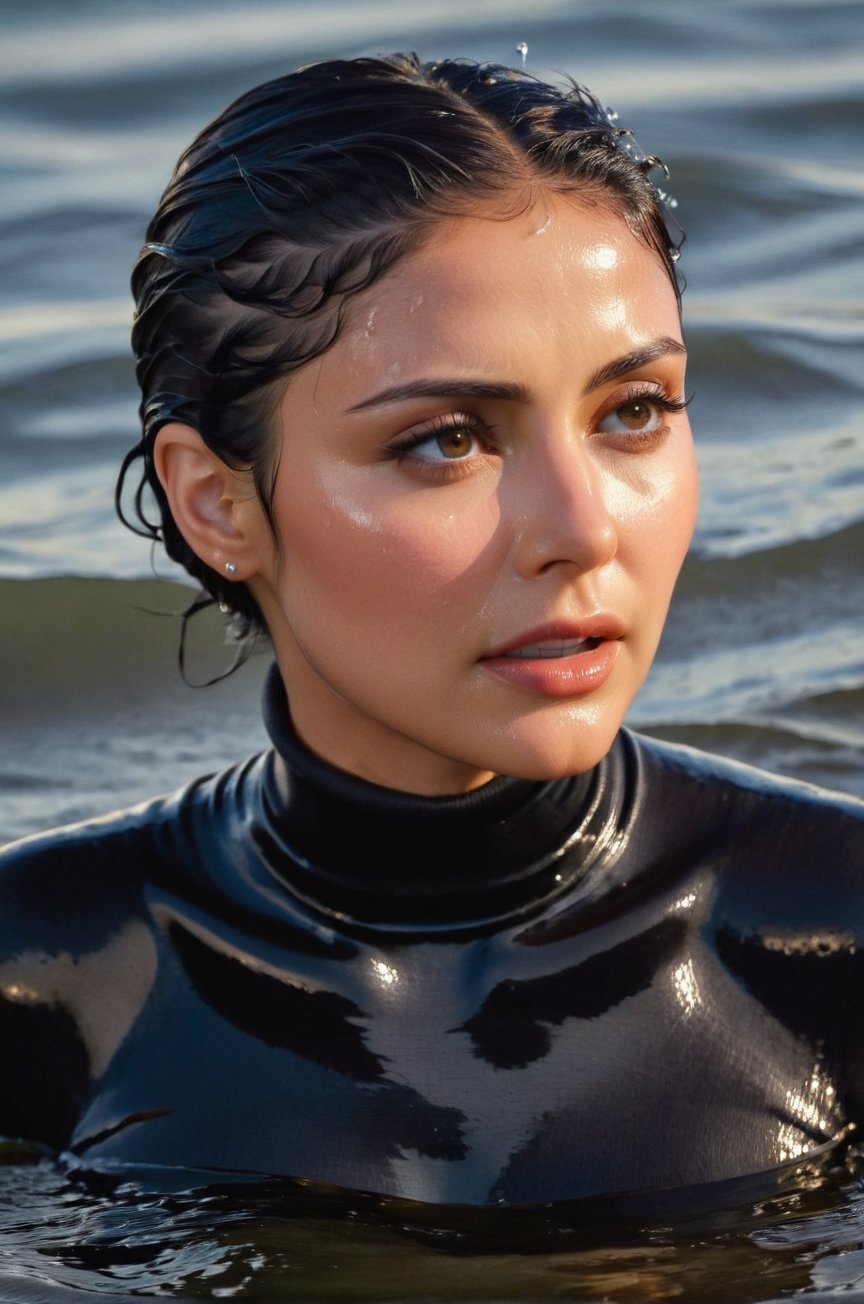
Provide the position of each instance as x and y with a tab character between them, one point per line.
485	493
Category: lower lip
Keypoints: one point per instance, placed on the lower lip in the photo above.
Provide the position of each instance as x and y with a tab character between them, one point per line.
557	676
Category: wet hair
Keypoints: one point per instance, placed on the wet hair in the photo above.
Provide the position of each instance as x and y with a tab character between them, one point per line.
301	195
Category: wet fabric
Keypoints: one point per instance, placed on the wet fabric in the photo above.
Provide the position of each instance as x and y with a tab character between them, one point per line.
642	978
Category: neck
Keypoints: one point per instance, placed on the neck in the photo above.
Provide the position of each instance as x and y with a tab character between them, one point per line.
391	859
351	741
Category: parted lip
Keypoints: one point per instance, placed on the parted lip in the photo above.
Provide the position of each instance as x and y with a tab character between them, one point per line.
601	626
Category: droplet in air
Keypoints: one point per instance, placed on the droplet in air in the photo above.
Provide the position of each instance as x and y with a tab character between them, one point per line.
522	48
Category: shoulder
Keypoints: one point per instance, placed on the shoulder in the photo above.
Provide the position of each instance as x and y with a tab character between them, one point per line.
719	784
50	883
56	884
778	844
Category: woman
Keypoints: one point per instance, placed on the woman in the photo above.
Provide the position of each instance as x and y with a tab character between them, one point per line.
413	401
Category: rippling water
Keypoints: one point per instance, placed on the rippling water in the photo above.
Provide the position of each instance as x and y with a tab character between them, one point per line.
757	106
283	1240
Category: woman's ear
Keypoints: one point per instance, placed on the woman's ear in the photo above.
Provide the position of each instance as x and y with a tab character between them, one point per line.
216	508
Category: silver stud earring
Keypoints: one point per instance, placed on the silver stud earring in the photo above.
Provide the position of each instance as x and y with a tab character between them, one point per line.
231	567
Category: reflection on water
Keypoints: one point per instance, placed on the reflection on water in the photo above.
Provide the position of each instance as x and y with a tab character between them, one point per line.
77	1232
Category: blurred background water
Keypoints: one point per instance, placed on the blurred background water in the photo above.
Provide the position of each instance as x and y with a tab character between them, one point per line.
758	108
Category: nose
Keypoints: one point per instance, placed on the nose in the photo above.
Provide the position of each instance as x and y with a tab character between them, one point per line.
563	517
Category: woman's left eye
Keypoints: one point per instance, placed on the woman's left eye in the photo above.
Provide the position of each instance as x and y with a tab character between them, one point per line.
640	416
640	421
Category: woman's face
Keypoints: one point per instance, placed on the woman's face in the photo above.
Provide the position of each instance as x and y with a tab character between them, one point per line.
483	501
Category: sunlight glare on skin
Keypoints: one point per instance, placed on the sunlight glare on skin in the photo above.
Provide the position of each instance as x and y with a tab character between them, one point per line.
600	258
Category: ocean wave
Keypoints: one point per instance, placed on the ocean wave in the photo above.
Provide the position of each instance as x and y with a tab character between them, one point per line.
134	42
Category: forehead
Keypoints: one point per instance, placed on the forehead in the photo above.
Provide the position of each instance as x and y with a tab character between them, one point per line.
557	272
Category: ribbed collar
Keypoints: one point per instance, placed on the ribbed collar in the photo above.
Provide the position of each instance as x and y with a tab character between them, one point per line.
377	857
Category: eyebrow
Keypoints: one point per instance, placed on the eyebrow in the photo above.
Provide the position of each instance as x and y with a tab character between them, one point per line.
447	387
660	348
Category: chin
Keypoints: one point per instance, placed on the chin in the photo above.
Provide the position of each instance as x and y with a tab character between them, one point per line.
574	749
546	771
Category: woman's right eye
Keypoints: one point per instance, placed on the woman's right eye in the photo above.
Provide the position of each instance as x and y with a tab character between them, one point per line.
451	439
451	445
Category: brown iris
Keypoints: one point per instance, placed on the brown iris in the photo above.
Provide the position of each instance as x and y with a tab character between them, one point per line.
636	415
454	443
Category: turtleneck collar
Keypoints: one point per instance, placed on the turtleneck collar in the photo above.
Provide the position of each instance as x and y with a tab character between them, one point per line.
378	857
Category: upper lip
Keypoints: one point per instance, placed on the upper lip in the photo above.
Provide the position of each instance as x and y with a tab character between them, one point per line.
601	626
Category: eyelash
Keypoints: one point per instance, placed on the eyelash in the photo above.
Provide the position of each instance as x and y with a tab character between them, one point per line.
654	397
453	422
446	424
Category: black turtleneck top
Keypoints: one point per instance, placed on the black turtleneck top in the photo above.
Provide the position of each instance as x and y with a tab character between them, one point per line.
645	977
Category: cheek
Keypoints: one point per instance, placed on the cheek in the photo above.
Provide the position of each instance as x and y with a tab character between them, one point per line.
356	553
682	501
656	511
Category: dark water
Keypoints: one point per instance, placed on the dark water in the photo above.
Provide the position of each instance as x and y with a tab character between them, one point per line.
282	1240
758	107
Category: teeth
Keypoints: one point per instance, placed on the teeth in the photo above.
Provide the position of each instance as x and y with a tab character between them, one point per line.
542	651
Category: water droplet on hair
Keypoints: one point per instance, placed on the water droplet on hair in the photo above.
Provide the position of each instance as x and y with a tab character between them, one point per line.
522	48
675	255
